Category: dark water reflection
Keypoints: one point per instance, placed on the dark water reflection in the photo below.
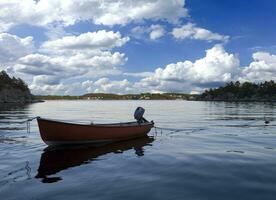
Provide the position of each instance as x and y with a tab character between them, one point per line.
202	150
12	116
56	159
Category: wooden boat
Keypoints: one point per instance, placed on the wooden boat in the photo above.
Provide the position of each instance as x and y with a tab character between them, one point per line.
57	132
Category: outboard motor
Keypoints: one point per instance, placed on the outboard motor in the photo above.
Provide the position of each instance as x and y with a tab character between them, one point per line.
138	115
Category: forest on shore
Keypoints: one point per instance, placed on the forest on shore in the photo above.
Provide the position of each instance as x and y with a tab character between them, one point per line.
236	91
14	90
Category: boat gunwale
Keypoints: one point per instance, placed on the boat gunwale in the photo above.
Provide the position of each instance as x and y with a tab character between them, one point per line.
111	125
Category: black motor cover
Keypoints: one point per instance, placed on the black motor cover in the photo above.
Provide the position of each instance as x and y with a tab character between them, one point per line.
138	114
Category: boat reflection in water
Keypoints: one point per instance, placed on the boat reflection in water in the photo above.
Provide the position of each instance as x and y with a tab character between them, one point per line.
56	159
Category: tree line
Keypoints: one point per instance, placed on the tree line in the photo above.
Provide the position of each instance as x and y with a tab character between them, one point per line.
242	91
7	82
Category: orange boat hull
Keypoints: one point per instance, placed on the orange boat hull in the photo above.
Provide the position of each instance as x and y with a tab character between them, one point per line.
56	132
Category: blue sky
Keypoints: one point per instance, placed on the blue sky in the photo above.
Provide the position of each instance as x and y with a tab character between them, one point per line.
137	46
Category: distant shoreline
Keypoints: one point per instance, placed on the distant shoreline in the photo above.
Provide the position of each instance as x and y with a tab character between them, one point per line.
15	91
225	97
110	96
229	101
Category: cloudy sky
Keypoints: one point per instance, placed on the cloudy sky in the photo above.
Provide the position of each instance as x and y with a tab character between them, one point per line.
132	46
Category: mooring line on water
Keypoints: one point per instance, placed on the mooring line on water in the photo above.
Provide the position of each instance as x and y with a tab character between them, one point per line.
28	123
247	125
244	126
173	130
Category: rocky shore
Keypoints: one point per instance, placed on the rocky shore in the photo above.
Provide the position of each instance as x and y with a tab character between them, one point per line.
14	95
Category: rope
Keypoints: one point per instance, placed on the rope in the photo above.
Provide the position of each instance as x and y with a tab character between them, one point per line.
175	130
28	123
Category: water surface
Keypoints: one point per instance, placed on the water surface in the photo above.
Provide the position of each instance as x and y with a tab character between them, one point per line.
200	150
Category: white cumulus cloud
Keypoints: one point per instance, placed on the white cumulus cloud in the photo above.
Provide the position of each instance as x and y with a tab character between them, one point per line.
138	74
191	31
108	86
263	68
88	55
153	32
105	63
105	12
13	47
216	67
156	31
101	40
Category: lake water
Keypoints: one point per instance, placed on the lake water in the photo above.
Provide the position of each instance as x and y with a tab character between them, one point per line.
200	150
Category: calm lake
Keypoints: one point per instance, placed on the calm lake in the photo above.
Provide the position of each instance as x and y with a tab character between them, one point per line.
200	150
